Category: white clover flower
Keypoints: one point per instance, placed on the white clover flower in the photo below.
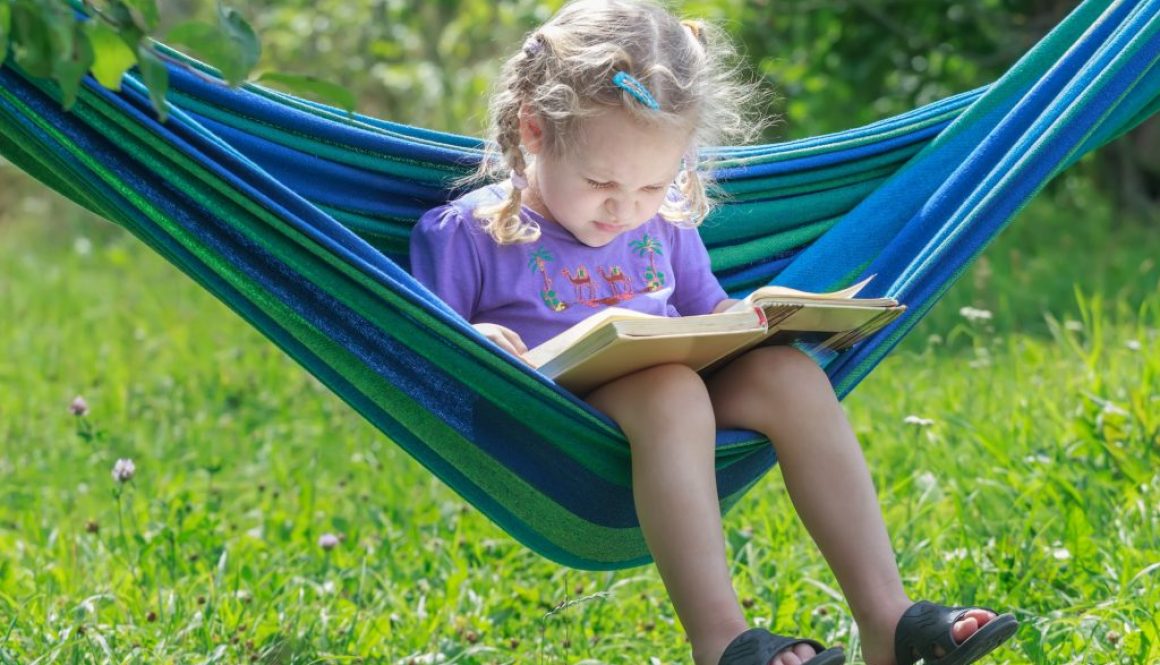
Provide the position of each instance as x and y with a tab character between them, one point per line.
425	659
79	407
957	554
1112	408
328	541
1133	344
123	470
1061	553
926	481
83	246
917	420
421	608
975	314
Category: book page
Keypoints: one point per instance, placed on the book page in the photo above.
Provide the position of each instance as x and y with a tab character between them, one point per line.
772	292
630	354
552	347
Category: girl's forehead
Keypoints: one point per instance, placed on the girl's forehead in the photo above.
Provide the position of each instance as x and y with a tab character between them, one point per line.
618	125
614	140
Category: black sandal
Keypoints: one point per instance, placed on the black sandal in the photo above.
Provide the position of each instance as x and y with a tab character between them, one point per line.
926	625
758	646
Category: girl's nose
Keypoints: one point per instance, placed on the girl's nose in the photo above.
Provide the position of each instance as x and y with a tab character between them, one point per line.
620	207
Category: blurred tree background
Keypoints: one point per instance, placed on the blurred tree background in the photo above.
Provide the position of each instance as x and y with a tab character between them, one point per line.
832	64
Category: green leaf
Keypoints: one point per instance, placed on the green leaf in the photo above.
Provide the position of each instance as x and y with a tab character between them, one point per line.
31	41
144	13
72	65
62	29
156	78
231	47
131	35
314	88
112	56
244	48
203	42
118	13
200	37
5	25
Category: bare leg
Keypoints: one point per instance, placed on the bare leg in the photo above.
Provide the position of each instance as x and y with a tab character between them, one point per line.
783	394
668	418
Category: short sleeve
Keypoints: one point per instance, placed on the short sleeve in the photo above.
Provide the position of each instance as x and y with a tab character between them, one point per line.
444	258
697	290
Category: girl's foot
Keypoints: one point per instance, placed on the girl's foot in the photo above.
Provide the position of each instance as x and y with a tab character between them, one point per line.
924	625
795	655
758	646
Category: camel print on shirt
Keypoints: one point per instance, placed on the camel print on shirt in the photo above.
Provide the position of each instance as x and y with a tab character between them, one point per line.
611	285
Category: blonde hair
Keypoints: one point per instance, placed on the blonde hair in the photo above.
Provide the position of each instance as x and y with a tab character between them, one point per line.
564	74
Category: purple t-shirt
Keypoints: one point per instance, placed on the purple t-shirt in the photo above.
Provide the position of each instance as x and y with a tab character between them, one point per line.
541	288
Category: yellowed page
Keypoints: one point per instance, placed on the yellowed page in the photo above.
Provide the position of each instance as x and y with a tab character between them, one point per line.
795	295
628	355
552	347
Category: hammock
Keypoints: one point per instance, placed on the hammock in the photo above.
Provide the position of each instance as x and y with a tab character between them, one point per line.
296	215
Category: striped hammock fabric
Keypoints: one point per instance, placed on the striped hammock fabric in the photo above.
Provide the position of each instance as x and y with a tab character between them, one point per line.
297	215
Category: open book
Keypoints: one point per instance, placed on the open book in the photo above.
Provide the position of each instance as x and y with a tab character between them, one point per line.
615	341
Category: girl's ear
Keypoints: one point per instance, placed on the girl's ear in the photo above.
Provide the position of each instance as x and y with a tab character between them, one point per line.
531	130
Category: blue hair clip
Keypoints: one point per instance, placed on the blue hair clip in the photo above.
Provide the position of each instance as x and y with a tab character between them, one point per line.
636	89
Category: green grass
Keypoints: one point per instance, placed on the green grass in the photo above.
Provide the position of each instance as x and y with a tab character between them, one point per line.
1034	488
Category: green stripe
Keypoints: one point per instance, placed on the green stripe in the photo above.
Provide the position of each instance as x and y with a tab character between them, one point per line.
757	219
814	180
747	253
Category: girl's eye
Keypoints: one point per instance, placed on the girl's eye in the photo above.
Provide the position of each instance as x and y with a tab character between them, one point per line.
595	184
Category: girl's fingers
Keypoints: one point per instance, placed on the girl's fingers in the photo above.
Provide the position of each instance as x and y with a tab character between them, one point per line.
504	343
505	338
515	345
516	342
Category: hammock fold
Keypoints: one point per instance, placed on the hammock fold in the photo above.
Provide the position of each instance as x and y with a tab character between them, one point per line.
296	215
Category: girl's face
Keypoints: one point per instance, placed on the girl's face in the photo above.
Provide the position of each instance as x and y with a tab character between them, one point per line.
613	180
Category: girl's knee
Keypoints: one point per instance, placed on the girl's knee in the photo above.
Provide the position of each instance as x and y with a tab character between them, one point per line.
664	394
781	366
668	388
764	380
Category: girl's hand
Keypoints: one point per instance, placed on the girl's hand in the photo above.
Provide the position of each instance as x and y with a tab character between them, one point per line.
506	338
726	305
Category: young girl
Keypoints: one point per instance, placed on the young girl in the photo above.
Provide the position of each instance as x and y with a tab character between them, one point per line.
595	127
